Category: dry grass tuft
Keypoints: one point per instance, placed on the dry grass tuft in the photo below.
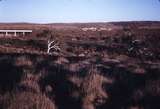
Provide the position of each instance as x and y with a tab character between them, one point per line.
23	61
30	83
91	90
27	100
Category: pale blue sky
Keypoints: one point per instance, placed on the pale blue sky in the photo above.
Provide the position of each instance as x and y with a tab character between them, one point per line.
50	11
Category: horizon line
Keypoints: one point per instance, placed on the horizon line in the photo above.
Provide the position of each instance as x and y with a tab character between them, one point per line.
77	22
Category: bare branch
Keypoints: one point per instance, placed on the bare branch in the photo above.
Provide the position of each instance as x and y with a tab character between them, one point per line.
52	45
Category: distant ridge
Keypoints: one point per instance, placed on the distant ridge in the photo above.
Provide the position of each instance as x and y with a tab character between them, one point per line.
26	25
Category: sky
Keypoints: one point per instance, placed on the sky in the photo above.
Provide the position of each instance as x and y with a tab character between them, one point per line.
66	11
